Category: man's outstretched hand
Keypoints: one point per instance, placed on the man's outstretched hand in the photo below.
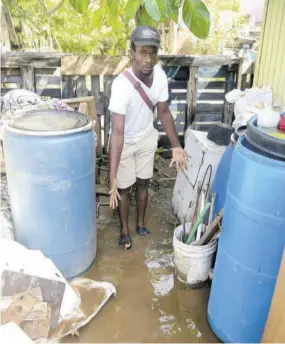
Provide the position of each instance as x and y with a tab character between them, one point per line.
179	159
114	194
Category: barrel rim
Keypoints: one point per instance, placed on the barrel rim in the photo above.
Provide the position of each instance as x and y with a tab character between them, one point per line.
87	127
257	156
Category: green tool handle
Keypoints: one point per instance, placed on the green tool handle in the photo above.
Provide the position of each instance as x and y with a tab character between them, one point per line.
197	223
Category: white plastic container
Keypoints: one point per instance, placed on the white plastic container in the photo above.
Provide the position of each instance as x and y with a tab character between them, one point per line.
203	153
192	263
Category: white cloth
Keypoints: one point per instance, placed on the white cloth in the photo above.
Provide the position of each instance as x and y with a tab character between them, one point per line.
125	100
19	98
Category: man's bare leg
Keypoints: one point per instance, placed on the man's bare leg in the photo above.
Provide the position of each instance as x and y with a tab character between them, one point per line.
124	205
142	198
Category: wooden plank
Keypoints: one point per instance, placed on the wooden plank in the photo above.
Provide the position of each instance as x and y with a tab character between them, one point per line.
19	309
203	126
52	290
10	71
100	65
6	90
212	72
78	100
208	117
49	92
178	126
93	65
192	94
80	86
28	75
95	91
38	328
210	95
210	107
274	330
15	79
48	80
198	60
47	71
176	73
39	60
211	84
178	85
228	115
177	97
39	311
107	116
67	87
230	82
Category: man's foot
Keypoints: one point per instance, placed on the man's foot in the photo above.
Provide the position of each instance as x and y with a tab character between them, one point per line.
125	241
142	231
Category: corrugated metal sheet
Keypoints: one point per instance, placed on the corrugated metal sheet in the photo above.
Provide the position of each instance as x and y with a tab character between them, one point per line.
270	67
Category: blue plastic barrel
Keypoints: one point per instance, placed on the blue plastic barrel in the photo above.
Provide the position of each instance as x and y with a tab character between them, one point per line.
251	246
221	179
50	166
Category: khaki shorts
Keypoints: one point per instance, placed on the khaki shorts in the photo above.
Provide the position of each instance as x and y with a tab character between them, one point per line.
137	160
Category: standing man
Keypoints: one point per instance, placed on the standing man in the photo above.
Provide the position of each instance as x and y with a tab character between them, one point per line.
133	140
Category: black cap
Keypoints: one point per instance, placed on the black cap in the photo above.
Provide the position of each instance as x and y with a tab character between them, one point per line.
145	36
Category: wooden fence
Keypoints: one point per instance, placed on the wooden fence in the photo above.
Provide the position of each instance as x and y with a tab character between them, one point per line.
197	84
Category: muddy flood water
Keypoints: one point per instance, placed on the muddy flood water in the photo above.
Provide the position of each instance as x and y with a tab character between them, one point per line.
150	305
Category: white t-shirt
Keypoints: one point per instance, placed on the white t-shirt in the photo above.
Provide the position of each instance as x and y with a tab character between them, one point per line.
125	100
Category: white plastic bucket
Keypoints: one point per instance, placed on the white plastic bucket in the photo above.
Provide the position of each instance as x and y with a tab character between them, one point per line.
192	263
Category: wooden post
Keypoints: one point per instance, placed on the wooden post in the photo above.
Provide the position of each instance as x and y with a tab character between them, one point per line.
239	73
28	75
107	116
228	113
67	86
81	89
95	92
192	95
275	330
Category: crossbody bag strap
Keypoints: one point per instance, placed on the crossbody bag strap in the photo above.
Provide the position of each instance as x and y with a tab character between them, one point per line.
137	85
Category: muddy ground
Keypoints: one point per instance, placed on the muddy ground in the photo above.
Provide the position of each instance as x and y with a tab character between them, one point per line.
150	305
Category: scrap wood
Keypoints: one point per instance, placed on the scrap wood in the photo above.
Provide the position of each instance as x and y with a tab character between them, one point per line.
39	311
14	282
37	328
211	230
19	309
5	302
102	190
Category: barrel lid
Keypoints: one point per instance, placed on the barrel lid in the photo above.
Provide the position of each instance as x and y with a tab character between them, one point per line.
267	140
49	122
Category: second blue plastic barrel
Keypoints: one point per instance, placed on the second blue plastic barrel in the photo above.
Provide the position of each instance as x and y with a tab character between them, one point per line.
221	179
250	248
50	165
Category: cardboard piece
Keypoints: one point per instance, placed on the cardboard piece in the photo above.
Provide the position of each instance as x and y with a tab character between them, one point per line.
38	328
52	290
275	330
18	309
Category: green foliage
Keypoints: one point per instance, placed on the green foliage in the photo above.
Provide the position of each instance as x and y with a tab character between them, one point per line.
80	6
131	8
196	17
143	18
98	26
